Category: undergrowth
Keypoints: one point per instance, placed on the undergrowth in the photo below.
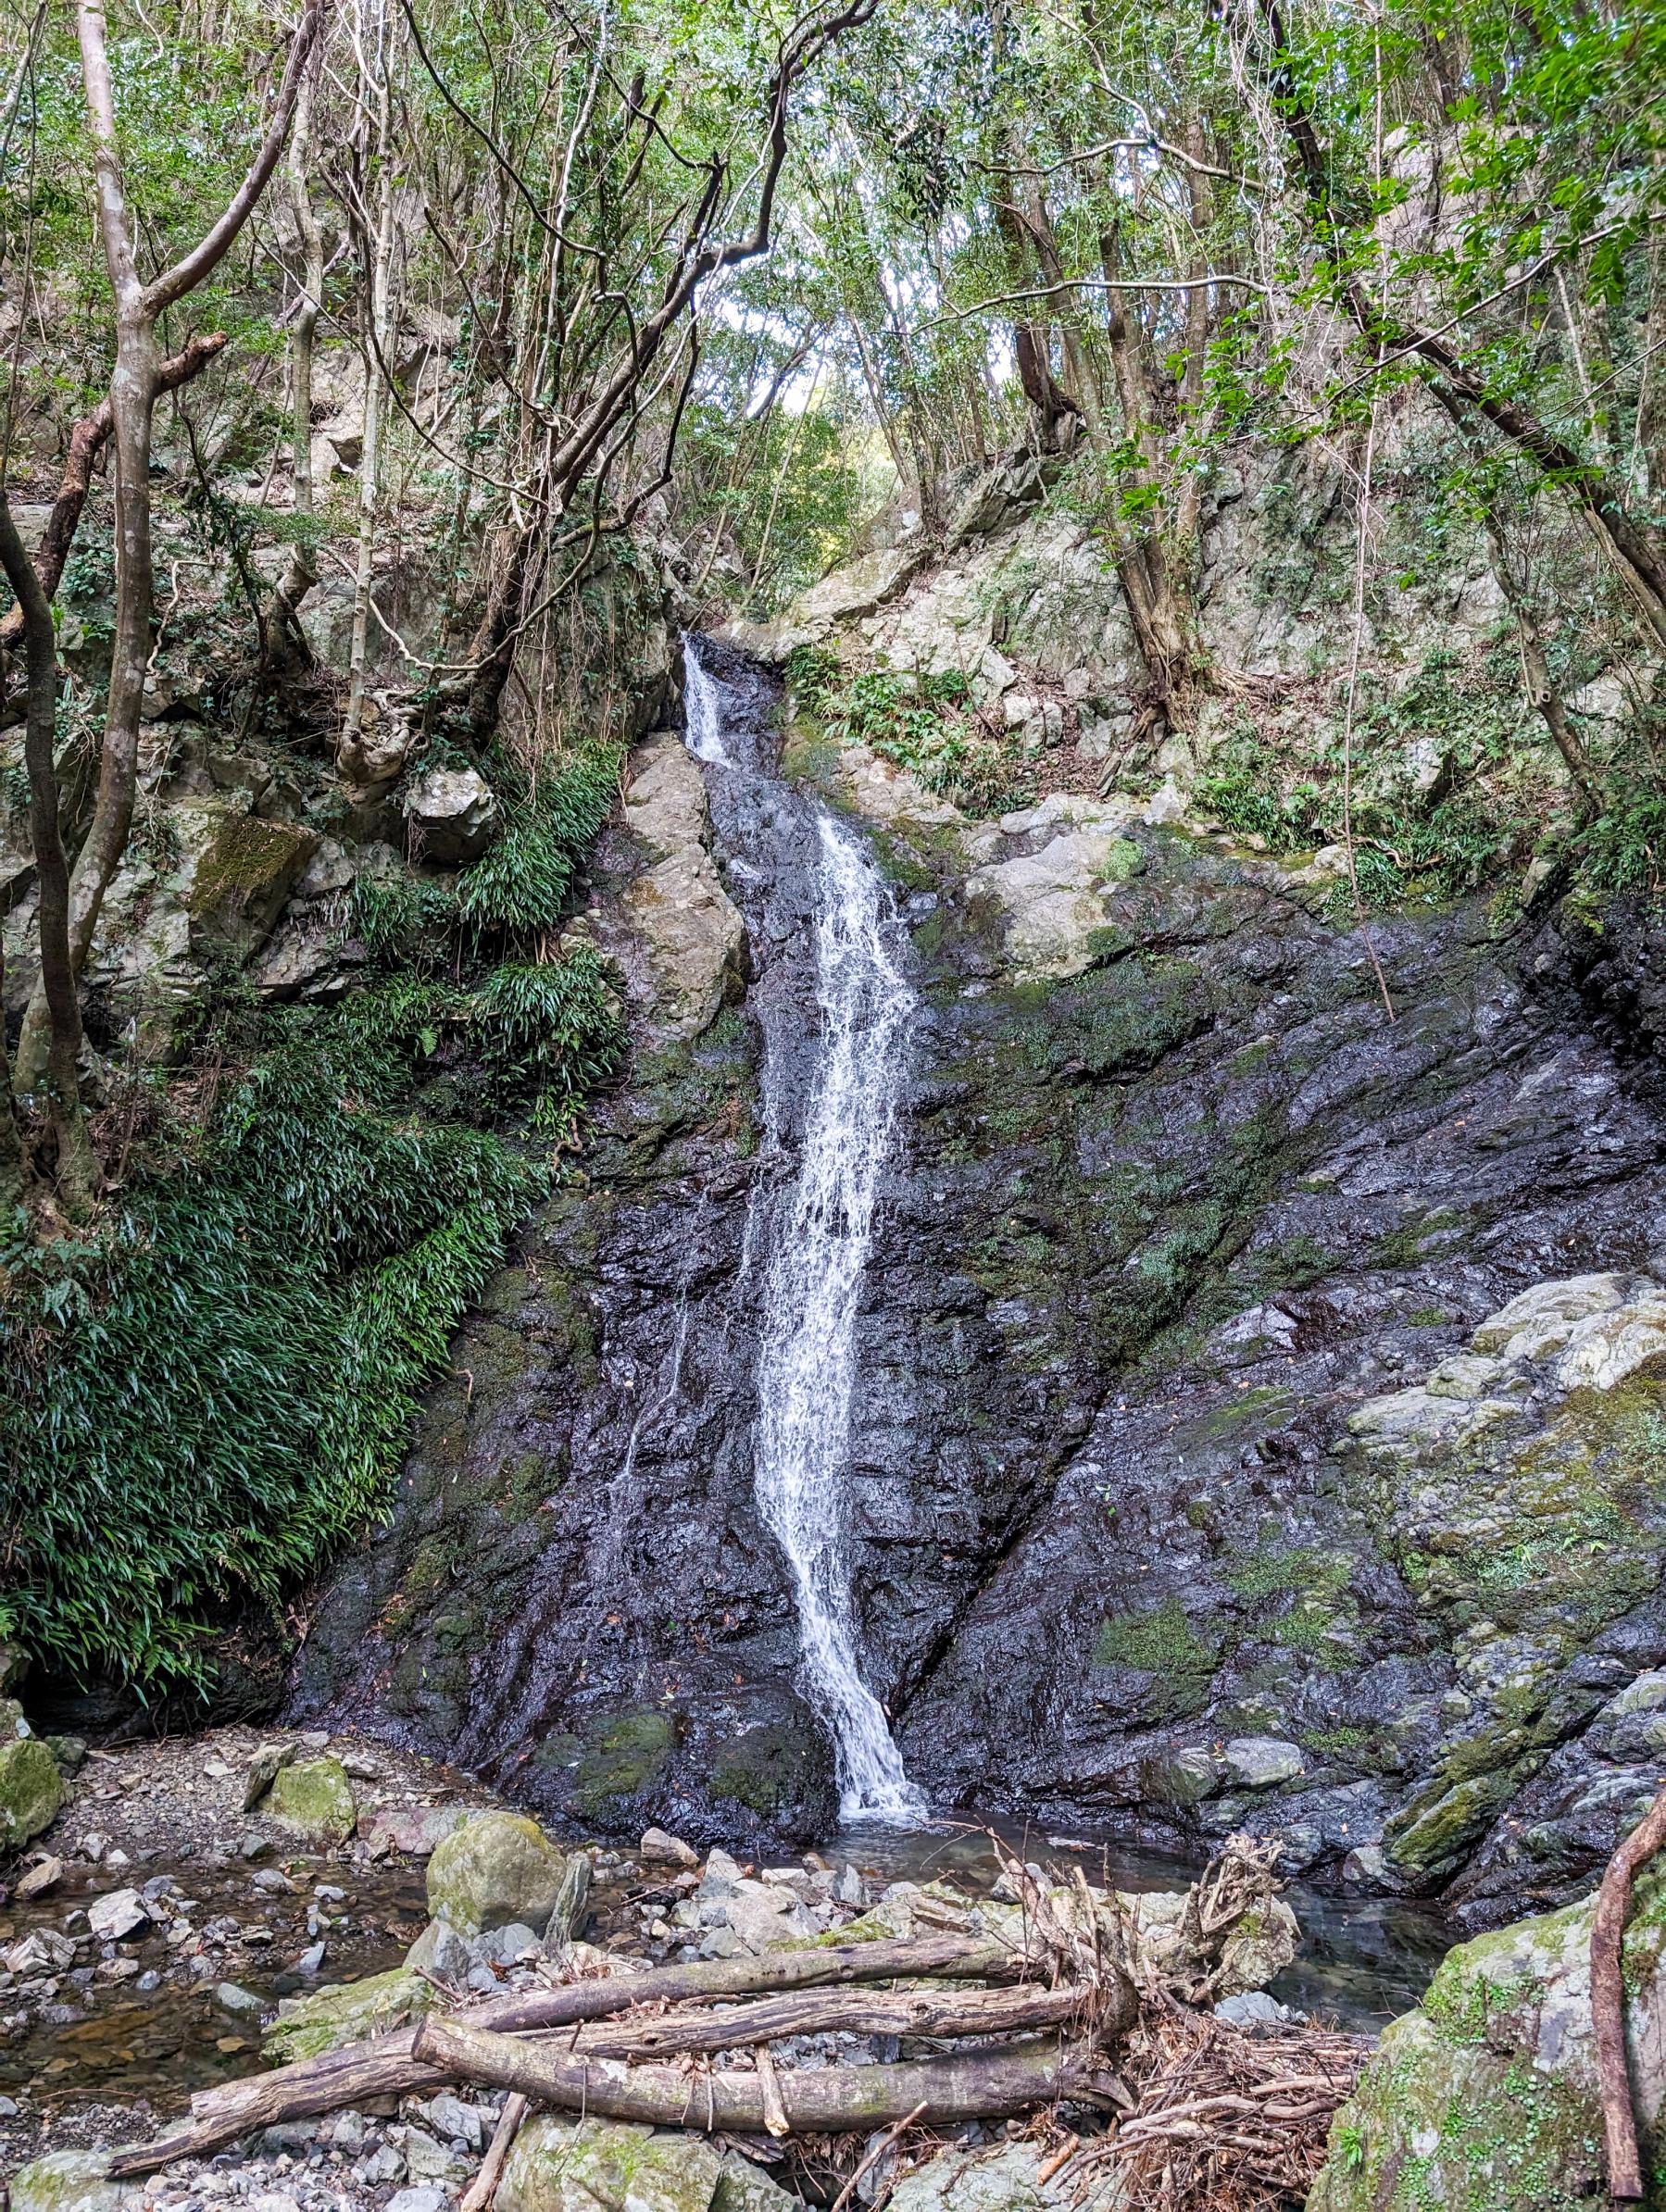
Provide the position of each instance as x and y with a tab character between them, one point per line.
210	1389
923	723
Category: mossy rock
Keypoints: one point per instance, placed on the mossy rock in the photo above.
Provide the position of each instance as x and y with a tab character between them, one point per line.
1486	2099
67	2181
1436	1833
314	1797
30	1790
346	2012
493	1871
766	1768
624	1755
244	880
612	2166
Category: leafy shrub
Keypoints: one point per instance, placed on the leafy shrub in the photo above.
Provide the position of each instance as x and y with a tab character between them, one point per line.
518	886
553	1024
922	723
1623	849
402	918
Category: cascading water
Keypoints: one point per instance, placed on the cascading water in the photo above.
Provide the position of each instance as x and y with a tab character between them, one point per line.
807	1360
703	709
819	1233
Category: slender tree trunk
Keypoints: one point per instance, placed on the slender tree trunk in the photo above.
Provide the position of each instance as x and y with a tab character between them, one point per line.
282	634
354	755
77	1170
137	379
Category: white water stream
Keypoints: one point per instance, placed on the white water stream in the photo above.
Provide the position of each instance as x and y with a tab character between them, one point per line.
807	1360
823	1234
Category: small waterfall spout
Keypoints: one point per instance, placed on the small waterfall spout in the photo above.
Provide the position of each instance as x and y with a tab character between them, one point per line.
807	1357
703	709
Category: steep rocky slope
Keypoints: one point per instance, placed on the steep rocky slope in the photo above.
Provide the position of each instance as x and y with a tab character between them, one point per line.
1195	1482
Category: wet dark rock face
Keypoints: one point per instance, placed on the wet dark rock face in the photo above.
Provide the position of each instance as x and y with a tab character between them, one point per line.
1151	1236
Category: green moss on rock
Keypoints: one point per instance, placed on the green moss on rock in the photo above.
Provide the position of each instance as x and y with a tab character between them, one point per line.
314	1797
497	1869
346	2012
30	1790
1486	2099
626	1754
611	2166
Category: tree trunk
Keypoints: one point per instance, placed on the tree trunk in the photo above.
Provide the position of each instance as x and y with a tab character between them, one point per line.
354	755
828	2012
77	1170
281	639
946	2093
133	389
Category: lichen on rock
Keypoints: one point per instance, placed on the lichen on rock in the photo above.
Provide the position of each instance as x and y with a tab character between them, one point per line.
497	1869
31	1790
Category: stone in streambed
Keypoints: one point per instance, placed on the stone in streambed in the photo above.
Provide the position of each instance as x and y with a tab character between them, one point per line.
31	1790
68	2181
314	1797
346	2013
499	1869
614	2166
1003	2178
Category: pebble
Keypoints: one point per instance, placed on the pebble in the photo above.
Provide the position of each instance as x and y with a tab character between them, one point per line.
271	1880
230	1996
310	1960
348	2134
117	1913
428	2197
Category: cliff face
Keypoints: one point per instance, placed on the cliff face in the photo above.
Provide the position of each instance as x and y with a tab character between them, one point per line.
1203	1473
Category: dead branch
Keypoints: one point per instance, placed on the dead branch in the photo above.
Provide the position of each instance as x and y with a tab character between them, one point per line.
484	2188
1608	2001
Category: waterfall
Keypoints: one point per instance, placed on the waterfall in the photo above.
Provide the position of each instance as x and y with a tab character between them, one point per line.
701	708
807	1360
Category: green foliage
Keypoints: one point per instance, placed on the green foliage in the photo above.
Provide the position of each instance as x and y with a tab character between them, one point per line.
1623	849
403	919
518	886
921	722
204	1396
555	1025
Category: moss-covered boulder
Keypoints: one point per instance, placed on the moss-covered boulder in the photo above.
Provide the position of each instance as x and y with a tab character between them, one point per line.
346	2012
610	2165
30	1790
68	2182
1485	2098
244	877
314	1797
493	1871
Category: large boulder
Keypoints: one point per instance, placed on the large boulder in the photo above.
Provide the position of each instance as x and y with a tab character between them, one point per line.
611	2166
452	814
1487	2093
68	2181
496	1870
692	929
314	1797
31	1790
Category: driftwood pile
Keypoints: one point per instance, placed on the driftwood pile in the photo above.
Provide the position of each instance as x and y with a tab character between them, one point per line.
1102	2040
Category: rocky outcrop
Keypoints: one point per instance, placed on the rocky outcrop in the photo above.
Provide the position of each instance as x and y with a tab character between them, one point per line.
673	900
1145	1537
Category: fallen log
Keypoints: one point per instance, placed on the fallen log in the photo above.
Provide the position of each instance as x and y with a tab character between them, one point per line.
825	2012
483	2187
387	2065
965	2085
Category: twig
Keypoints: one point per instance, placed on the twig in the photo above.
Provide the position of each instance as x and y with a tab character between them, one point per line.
1608	2001
874	2156
483	2187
